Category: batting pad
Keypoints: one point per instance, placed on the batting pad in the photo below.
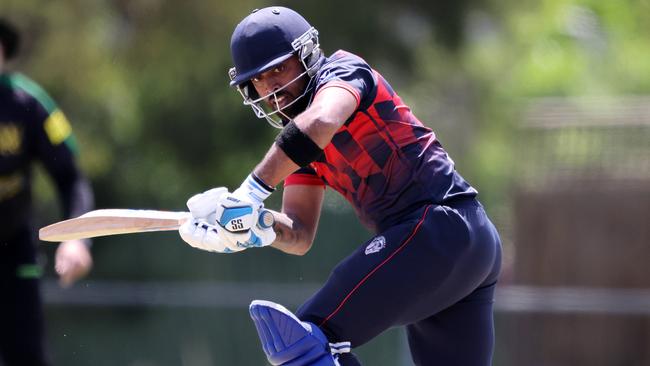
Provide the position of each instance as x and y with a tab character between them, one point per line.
288	341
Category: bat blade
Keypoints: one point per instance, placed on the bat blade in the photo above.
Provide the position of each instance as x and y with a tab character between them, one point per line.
112	222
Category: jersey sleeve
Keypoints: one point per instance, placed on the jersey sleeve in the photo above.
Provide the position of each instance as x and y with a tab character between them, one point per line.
350	72
304	176
53	144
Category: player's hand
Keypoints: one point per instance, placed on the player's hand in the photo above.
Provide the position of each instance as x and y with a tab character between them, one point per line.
244	219
262	232
203	232
233	211
205	236
203	205
72	261
227	222
214	238
236	213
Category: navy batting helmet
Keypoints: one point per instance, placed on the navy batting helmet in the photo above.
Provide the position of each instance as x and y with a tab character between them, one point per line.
263	40
9	38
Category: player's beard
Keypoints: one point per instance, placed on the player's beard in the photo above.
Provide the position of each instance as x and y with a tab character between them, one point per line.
298	107
293	110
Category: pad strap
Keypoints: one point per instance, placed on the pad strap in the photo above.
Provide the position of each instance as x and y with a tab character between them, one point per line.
298	146
340	348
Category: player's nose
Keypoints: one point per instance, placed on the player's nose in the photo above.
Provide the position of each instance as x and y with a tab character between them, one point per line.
274	84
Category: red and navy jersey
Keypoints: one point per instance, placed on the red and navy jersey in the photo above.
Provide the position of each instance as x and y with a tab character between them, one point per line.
383	160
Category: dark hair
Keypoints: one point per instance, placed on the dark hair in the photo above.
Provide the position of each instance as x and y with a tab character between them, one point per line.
9	38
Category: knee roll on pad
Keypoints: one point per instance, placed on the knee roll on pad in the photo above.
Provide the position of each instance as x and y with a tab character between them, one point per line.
288	341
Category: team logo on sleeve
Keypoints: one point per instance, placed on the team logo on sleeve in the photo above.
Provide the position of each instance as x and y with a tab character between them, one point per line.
376	245
57	127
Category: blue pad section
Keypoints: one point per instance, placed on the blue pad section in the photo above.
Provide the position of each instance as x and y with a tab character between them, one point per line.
288	341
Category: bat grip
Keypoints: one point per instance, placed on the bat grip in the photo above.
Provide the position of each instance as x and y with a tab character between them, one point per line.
265	219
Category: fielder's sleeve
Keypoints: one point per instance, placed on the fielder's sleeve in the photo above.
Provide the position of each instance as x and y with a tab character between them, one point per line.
53	143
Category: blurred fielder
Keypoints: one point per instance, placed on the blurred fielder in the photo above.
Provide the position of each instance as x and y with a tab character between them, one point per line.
433	263
32	128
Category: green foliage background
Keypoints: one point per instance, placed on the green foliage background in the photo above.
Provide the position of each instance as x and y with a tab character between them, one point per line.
144	83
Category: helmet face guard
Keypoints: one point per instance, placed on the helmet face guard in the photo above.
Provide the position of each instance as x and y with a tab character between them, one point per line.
267	106
260	42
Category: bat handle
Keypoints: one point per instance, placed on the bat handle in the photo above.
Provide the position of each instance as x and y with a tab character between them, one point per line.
265	219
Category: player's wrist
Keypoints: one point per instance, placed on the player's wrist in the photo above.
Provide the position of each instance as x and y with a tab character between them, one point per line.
254	189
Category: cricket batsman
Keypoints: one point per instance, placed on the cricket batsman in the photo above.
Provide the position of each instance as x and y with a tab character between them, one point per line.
433	262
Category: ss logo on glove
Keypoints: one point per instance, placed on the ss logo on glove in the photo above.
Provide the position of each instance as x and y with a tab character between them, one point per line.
235	215
236	225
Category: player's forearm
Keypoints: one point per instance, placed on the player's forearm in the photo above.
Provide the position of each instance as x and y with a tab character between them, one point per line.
275	166
292	237
75	195
320	124
81	198
316	125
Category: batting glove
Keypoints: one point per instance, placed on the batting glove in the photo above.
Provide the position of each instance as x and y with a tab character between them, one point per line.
201	235
244	222
214	238
201	232
239	211
253	190
203	205
262	233
230	222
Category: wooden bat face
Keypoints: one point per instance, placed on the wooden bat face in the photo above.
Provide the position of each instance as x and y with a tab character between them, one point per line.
112	222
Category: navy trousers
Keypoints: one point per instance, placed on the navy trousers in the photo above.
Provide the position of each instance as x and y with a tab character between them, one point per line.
434	273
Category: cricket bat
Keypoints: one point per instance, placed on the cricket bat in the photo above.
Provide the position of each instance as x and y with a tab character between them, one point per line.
123	221
112	222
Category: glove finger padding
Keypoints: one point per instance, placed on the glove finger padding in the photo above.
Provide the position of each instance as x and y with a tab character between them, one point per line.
204	205
201	235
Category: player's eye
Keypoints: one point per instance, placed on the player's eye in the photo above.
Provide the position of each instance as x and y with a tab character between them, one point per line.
278	69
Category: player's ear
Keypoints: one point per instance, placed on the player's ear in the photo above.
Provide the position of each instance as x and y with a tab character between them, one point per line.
250	90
